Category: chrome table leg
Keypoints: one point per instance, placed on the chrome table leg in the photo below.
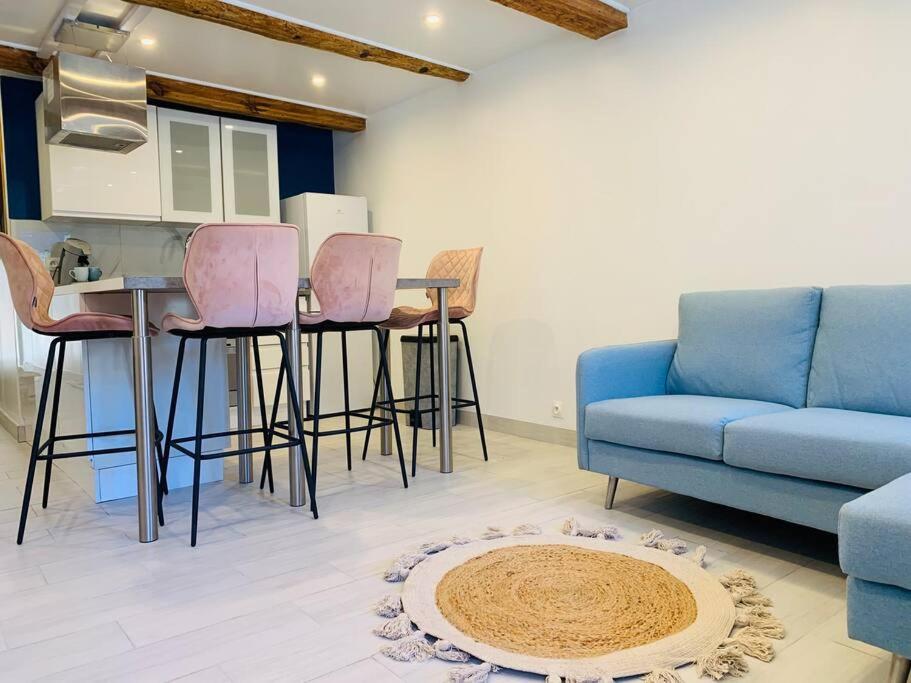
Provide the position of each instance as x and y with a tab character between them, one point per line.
146	467
442	360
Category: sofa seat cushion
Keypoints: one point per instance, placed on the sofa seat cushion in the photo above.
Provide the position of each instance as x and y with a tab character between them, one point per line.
864	450
874	534
689	425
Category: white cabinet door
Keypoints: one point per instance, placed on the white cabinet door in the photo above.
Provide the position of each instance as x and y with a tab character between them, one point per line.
94	185
190	157
250	155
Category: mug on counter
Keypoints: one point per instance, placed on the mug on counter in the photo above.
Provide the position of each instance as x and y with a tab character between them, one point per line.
80	273
85	273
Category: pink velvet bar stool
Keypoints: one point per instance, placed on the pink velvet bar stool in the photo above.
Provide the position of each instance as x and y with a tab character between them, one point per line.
465	266
243	281
354	278
32	289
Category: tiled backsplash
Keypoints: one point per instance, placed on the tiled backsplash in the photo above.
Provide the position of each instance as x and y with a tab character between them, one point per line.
117	249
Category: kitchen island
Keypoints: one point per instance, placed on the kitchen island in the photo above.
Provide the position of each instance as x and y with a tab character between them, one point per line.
98	389
141	294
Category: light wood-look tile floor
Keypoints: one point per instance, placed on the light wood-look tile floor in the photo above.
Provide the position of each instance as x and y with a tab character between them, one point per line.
272	595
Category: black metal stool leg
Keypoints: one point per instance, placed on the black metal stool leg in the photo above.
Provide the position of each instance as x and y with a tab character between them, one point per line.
376	393
392	409
433	391
295	410
416	414
52	435
474	387
266	426
159	450
36	440
316	392
267	461
347	399
172	412
197	449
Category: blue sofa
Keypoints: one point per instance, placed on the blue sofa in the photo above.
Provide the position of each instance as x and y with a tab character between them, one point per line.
790	403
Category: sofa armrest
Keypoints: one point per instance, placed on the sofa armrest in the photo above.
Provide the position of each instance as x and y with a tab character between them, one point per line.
619	372
874	533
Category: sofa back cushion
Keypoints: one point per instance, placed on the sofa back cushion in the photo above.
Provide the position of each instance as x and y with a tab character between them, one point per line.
862	359
753	344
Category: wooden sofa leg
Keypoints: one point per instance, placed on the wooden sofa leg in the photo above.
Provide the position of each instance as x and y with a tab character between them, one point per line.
612	492
900	670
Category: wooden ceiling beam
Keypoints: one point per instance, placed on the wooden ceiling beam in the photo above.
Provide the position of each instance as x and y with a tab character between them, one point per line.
287	31
592	18
222	100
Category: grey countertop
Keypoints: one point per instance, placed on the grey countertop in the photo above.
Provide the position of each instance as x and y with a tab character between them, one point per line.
156	283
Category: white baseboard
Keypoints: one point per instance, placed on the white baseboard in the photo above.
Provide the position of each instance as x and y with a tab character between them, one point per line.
526	430
16	430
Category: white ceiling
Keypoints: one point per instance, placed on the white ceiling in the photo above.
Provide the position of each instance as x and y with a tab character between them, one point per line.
474	34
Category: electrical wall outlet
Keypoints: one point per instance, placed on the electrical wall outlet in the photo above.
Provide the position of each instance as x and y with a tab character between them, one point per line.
557	409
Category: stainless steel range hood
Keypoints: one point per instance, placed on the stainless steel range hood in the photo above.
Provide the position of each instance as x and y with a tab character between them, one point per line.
95	104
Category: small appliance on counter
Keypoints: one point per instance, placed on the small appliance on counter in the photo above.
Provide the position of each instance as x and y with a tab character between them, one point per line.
67	255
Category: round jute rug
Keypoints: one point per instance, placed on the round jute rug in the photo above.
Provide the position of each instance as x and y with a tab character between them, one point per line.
566	606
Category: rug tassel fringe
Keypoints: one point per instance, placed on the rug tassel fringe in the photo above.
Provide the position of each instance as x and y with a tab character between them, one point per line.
726	660
663	676
471	673
414	648
443	649
650	538
434	547
461	540
492	533
527	530
571	527
655	539
743	589
698	556
762	620
402	567
672	545
753	644
390	606
394	629
754	599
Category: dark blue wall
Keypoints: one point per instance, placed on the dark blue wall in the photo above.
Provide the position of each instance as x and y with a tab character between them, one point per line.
305	161
20	138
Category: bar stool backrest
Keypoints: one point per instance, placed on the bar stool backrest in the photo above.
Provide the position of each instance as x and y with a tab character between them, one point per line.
464	264
31	286
354	277
242	274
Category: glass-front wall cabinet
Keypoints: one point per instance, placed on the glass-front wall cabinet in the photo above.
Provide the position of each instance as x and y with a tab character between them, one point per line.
191	171
250	155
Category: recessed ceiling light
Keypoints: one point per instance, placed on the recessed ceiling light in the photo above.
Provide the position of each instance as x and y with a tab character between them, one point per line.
178	151
147	42
433	20
318	80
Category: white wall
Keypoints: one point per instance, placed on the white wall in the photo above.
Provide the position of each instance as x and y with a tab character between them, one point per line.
715	144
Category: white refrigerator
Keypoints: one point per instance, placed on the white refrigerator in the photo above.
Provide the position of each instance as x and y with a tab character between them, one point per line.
318	216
